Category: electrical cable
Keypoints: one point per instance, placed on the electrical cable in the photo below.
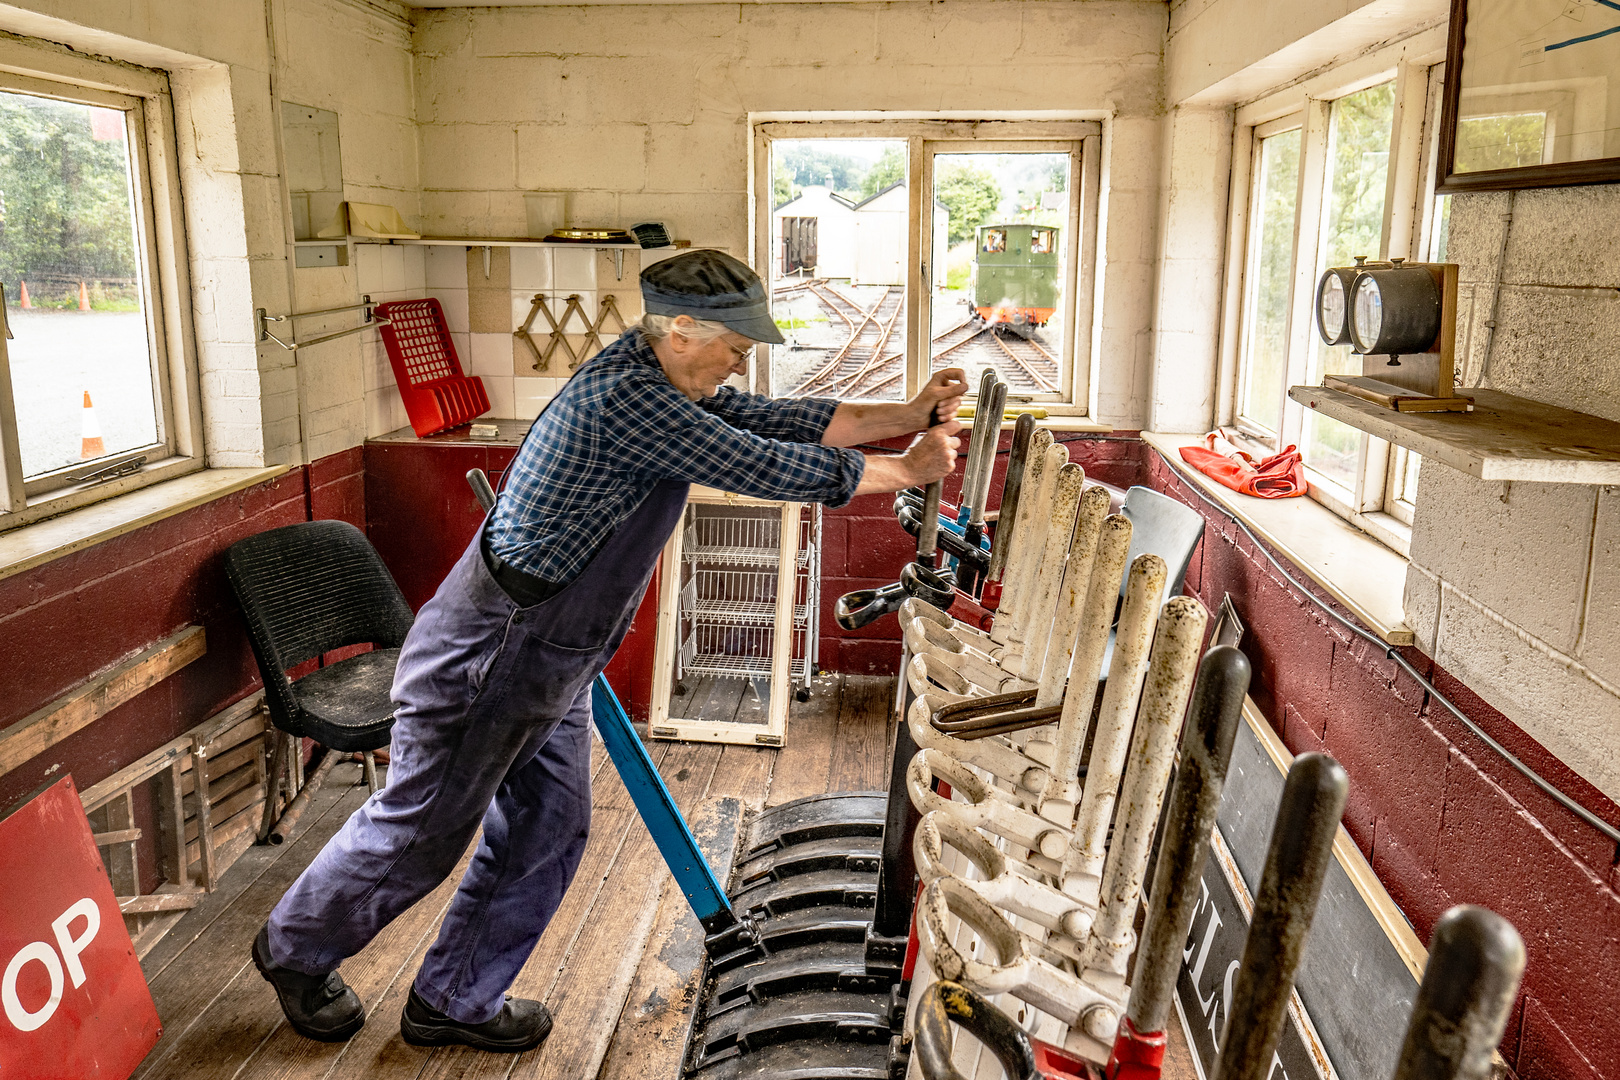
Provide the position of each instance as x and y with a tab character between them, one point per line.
1389	651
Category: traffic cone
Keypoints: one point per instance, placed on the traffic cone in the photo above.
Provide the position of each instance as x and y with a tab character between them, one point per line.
91	445
84	297
27	304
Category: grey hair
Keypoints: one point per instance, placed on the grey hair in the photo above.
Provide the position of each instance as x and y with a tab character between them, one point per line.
659	327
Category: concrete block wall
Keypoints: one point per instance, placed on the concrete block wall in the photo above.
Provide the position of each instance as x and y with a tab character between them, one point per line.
642	112
353	59
1515	587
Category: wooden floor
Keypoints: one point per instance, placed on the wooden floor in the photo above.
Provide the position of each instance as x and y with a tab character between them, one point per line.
618	965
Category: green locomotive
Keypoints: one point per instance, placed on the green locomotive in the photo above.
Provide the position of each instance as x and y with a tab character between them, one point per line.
1015	275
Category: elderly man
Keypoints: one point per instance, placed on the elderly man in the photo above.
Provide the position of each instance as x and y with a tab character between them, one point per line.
493	684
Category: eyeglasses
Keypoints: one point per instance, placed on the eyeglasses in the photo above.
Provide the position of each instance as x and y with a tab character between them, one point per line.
740	353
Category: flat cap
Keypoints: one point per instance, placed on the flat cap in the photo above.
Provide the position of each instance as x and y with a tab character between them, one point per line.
710	285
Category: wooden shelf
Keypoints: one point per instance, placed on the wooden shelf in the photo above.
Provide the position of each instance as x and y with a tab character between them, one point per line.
495	241
1503	438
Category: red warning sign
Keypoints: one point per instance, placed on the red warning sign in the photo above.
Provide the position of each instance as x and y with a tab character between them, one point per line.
73	1001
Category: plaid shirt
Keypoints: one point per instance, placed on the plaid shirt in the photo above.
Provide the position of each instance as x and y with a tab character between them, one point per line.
619	426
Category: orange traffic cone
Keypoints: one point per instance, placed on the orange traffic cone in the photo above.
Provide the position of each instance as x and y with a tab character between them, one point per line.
91	446
27	304
84	297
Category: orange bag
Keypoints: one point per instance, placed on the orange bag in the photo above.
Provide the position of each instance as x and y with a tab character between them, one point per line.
1280	476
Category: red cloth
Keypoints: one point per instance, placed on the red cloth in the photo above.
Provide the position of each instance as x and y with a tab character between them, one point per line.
1280	476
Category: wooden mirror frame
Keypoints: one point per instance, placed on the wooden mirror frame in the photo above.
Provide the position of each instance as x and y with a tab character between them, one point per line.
1558	174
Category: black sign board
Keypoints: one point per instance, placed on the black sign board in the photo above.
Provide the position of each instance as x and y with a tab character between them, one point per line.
1209	966
1358	976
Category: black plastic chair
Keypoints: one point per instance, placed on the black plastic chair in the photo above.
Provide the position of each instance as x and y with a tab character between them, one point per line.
309	589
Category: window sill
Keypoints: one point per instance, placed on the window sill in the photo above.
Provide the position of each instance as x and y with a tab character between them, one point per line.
1354	568
28	546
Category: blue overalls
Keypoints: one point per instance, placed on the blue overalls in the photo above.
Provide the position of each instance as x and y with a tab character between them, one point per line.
492	725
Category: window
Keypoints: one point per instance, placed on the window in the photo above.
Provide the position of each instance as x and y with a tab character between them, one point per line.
1325	184
86	407
992	268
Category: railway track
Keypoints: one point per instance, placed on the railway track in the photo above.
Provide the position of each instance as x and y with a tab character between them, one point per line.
871	360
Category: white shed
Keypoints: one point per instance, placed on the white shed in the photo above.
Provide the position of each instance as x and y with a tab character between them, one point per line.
815	232
880	238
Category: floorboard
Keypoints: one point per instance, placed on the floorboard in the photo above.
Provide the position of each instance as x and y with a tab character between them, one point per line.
619	965
804	763
221	950
650	1036
860	761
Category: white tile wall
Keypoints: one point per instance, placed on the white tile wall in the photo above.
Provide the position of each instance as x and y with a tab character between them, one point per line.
531	269
499	389
490	355
385	411
368	271
531	395
574	269
393	268
454	303
414	280
521	302
446	267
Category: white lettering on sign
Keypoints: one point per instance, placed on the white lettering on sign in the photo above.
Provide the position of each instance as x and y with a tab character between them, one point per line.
72	946
16	1012
41	952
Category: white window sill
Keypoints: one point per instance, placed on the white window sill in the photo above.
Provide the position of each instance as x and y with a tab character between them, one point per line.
28	546
1355	569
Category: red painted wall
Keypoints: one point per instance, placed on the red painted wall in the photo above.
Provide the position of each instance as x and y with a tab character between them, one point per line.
1443	819
863	547
62	622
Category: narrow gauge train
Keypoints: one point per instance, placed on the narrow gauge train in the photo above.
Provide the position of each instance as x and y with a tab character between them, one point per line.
1015	276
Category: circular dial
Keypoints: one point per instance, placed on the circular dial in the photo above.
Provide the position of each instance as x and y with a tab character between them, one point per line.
1368	318
1332	308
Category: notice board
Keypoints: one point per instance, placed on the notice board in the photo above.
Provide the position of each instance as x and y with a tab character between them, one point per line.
1362	962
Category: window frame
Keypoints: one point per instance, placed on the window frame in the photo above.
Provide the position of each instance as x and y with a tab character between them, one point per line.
925	138
1416	67
144	96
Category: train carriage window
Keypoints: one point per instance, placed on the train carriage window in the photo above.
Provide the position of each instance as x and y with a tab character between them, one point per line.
874	287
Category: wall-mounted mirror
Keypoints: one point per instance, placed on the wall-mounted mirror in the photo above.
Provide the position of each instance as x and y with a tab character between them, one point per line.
1530	94
314	169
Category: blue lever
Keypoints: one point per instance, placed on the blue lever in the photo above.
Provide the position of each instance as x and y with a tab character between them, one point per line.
653	802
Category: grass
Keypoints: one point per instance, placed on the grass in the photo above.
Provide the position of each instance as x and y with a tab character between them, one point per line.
796	323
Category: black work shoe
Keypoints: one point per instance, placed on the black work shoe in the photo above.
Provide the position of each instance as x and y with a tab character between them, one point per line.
520	1025
318	1007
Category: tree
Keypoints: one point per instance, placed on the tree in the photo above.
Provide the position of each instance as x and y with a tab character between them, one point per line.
783	189
971	196
806	163
888	170
65	193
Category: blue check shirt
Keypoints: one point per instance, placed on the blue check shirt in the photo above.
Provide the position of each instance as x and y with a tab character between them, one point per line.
619	426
